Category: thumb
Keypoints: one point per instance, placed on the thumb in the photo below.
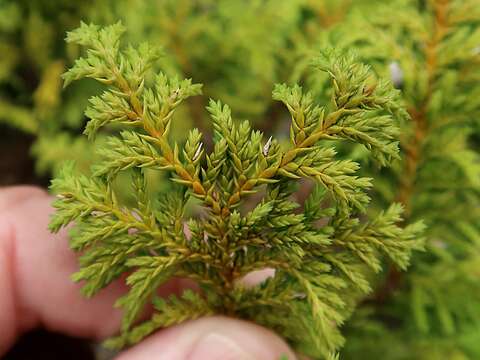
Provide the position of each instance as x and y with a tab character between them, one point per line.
212	338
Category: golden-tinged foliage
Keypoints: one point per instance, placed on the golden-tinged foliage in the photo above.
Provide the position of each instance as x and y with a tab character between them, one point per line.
236	200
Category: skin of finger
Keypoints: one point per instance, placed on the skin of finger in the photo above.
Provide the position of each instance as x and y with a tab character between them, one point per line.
10	323
249	341
35	276
8	320
36	267
12	196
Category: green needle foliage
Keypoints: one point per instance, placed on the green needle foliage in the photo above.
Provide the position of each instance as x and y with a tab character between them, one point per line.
233	210
430	49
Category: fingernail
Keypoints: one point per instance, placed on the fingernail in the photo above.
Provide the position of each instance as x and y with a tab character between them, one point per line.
216	346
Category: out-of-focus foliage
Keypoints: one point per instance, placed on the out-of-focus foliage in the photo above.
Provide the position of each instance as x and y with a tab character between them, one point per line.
430	50
33	56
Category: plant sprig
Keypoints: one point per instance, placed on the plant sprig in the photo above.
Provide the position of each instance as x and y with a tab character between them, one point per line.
321	251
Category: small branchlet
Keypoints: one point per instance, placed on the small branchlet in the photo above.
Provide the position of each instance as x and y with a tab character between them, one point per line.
321	250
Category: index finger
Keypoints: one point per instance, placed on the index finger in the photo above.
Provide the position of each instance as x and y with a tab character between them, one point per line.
35	275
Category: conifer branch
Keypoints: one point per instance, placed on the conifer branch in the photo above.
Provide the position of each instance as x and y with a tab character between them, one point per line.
419	115
317	268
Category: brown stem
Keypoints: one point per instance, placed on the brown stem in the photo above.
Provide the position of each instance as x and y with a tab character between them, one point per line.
287	158
413	146
329	17
167	151
419	115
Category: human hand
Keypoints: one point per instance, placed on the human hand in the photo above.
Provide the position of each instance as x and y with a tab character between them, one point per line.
36	289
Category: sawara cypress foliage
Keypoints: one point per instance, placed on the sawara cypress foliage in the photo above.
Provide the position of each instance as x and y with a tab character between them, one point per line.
232	210
430	49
